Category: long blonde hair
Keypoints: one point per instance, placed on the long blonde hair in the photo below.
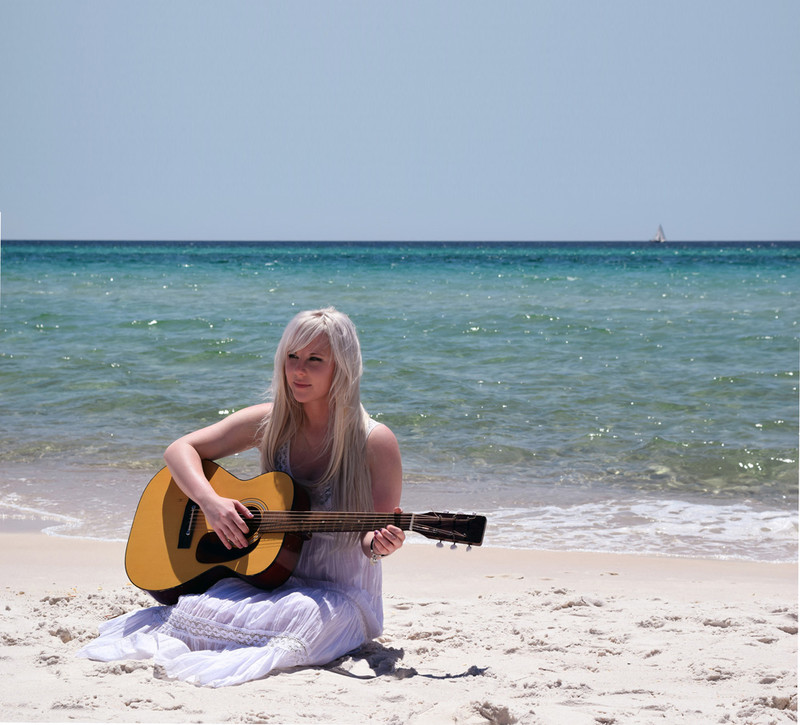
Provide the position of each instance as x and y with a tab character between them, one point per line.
346	439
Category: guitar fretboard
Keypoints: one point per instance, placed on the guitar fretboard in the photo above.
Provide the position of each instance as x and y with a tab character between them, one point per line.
311	521
439	526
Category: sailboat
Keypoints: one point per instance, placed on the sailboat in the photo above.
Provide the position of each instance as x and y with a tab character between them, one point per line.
659	237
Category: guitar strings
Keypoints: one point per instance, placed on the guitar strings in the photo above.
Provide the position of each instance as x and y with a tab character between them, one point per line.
297	518
304	521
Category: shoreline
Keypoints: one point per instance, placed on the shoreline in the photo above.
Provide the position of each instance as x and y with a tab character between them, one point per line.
638	534
490	635
30	526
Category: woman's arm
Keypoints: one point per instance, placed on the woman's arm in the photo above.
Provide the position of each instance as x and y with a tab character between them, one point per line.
386	472
233	434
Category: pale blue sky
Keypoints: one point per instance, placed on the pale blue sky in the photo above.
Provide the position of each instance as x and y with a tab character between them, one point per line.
341	120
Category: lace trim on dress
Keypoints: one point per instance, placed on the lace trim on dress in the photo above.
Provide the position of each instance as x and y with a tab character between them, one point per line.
282	464
182	625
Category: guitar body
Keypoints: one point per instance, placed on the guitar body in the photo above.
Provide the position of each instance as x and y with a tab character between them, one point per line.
171	551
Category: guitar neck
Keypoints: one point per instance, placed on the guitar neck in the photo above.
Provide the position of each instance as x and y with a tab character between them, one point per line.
467	529
308	522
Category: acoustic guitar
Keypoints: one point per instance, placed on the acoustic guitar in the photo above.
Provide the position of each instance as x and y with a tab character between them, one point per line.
172	551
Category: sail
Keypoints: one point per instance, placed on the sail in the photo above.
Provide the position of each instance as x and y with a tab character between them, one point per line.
659	237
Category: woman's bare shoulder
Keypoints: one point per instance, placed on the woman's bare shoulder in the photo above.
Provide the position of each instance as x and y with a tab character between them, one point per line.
381	436
255	412
382	446
385	467
249	418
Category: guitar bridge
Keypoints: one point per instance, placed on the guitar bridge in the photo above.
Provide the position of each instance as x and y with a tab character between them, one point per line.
187	524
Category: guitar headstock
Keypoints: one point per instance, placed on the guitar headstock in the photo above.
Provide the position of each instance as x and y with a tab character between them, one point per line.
457	528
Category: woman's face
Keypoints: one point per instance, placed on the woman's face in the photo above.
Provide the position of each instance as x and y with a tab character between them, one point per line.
309	371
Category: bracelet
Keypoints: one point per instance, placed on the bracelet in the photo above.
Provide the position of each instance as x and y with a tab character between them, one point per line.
374	558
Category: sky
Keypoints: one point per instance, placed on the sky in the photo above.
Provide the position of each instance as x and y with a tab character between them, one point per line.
552	120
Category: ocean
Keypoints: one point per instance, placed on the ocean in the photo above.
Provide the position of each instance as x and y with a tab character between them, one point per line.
636	398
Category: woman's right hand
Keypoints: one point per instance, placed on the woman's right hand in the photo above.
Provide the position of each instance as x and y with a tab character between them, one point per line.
226	516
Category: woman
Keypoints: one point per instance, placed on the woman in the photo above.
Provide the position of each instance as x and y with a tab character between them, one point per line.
316	430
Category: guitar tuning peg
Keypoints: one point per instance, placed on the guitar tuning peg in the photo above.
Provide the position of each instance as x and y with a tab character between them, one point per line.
454	545
439	545
469	547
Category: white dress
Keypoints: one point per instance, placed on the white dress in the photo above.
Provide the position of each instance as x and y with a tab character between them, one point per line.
235	632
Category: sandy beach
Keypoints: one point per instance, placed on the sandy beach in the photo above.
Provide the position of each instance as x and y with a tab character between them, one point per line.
485	636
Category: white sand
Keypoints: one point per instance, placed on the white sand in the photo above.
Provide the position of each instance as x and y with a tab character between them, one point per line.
487	636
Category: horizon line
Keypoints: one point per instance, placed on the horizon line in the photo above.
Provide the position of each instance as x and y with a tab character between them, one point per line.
134	240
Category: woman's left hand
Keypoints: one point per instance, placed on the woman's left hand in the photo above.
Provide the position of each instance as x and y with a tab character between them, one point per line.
389	539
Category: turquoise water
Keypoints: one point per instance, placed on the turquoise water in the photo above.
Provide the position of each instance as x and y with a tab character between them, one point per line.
588	396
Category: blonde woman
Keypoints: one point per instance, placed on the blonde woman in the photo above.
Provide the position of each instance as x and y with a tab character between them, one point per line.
316	430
